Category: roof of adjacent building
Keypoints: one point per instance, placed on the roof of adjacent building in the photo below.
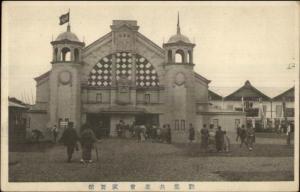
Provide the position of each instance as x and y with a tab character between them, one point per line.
214	96
288	94
247	91
13	102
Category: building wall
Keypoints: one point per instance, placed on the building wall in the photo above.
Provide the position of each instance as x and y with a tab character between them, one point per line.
38	121
201	91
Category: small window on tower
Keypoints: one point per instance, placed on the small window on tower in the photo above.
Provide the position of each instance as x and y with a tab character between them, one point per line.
179	56
65	54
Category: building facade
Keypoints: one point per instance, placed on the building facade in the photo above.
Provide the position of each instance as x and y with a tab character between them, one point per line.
124	76
261	110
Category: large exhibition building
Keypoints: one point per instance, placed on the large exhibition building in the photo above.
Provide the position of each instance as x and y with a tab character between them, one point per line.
125	76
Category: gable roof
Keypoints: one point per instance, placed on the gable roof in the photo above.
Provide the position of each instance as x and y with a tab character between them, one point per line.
157	47
44	75
102	38
248	92
288	94
214	96
197	75
14	102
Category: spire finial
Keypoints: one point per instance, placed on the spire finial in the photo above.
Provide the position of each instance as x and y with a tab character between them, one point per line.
68	28
178	24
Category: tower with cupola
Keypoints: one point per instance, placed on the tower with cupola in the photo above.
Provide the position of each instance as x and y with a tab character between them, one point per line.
65	89
180	80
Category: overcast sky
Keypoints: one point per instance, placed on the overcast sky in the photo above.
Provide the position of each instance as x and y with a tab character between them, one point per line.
235	42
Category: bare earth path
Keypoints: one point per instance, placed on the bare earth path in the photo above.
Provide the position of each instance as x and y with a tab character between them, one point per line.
127	160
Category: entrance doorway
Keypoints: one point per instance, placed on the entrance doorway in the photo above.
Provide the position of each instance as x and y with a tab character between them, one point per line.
146	119
100	124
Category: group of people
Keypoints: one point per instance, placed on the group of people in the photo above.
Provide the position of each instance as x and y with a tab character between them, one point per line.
71	139
219	139
246	136
211	138
144	132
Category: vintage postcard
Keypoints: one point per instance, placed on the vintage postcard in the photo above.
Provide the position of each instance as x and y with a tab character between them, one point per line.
150	96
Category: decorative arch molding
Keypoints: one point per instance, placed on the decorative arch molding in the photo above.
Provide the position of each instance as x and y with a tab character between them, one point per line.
101	74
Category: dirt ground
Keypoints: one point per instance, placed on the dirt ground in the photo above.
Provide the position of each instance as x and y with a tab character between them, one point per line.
127	160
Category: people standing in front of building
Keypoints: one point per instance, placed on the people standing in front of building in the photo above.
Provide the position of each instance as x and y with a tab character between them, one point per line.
158	134
250	137
243	135
169	134
226	143
288	134
219	139
87	140
238	132
143	130
204	138
191	133
137	132
120	128
55	133
211	138
153	133
69	139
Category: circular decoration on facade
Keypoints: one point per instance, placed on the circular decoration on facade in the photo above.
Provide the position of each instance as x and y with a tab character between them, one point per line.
65	77
179	79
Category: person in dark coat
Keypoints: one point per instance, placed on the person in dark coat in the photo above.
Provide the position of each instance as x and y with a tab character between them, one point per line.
87	140
204	137
243	135
238	132
69	139
168	134
219	139
191	133
250	137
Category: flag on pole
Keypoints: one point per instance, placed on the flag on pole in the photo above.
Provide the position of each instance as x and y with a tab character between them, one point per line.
243	107
64	18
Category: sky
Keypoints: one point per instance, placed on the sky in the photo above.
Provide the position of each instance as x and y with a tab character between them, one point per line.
235	41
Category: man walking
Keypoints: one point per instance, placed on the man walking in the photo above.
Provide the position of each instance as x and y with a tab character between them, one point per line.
219	139
204	137
191	133
243	135
55	133
250	137
169	134
87	140
238	132
69	139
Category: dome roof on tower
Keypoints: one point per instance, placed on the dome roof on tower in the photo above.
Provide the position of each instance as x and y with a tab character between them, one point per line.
177	38
68	35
